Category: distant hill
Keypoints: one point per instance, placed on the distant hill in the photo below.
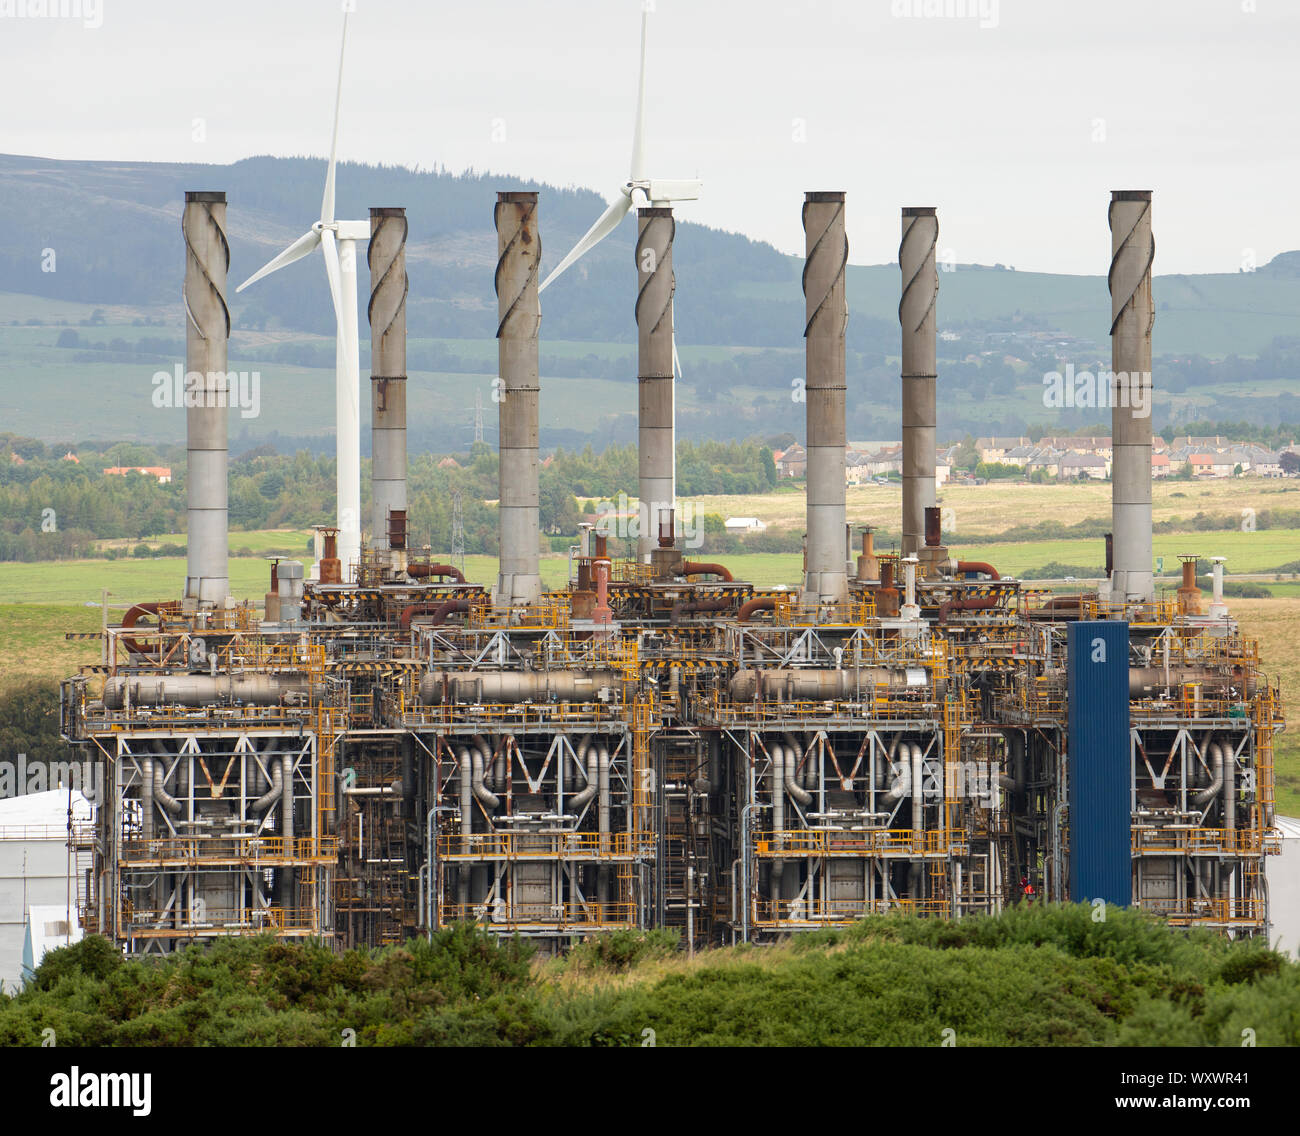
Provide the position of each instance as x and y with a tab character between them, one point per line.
114	229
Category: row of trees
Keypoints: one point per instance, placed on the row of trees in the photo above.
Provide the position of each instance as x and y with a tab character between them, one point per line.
51	508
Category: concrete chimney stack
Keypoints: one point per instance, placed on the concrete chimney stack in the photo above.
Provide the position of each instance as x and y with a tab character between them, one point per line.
386	256
916	316
519	251
207	330
1132	317
656	459
827	316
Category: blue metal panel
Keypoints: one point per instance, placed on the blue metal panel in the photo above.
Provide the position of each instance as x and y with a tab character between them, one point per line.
1099	762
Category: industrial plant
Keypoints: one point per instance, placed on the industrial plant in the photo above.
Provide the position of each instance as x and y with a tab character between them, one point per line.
381	748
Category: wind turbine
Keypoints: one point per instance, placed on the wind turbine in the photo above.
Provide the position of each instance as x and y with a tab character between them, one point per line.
337	240
638	192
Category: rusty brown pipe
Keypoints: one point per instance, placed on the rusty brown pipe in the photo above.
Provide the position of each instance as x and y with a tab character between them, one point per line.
700	568
975	603
978	566
681	609
762	603
420	571
129	619
439	611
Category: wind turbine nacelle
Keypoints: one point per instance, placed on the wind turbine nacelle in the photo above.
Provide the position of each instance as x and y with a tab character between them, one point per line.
667	190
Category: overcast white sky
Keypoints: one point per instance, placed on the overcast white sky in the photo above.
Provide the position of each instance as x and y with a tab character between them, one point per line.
1016	131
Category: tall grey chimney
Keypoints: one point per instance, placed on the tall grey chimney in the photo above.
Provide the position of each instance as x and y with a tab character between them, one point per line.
519	251
207	330
916	316
656	460
827	314
386	256
1133	251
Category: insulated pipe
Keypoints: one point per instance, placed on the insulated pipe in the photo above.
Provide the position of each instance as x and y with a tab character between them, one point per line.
478	764
439	611
466	768
422	571
587	760
916	317
682	608
792	786
826	312
207	330
205	689
700	568
146	798
971	603
501	764
1133	251
286	803
1206	795
824	684
160	794
602	780
1229	787
386	257
763	603
129	620
776	754
656	461
519	316
918	790
515	686
960	567
276	790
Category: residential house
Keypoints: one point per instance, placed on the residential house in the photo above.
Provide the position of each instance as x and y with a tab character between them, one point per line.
740	525
162	473
1074	465
791	462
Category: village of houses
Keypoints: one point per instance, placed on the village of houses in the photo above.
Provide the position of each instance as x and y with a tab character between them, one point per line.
1065	458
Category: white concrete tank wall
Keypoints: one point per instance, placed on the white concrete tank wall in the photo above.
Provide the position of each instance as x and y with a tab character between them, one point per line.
34	864
1283	875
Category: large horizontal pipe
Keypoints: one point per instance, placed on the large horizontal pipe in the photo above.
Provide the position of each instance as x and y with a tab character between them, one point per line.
960	567
811	684
421	571
1146	681
972	603
697	607
204	690
437	687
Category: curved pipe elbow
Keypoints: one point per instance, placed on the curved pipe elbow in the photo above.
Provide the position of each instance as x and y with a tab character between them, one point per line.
964	566
763	603
701	568
792	751
1206	795
422	571
478	763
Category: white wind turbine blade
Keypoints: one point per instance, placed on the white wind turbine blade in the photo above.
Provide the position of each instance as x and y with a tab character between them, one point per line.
303	246
638	137
606	224
332	271
327	201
